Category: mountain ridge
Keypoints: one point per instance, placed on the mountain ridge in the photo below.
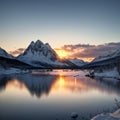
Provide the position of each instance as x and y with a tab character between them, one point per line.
41	55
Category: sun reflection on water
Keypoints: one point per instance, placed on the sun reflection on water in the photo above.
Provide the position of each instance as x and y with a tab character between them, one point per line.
68	84
61	82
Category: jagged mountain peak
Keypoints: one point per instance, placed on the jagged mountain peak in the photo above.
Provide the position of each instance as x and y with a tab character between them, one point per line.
47	44
35	45
38	43
32	43
39	52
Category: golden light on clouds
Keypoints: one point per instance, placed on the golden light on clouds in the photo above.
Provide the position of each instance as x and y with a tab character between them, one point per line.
86	52
61	53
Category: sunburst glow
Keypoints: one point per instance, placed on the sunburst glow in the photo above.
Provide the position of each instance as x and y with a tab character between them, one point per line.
61	53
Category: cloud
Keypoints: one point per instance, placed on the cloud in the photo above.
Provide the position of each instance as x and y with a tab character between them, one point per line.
17	52
88	52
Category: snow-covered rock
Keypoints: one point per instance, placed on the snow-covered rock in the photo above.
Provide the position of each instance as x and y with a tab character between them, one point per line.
74	115
116	114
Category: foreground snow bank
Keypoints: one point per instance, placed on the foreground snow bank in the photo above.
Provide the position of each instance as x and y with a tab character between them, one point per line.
108	74
108	116
11	71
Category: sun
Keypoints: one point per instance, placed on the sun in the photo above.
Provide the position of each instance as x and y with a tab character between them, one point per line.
61	54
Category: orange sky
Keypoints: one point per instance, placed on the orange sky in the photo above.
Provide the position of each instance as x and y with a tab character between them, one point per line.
67	54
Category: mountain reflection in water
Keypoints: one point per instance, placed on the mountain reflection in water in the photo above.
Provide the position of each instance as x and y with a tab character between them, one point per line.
44	84
35	84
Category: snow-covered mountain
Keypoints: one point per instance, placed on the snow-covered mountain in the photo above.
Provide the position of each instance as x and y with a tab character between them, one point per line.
77	62
39	54
109	61
108	56
3	53
8	61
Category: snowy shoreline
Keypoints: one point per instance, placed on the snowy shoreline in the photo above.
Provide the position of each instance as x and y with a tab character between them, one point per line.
108	74
12	71
108	116
113	73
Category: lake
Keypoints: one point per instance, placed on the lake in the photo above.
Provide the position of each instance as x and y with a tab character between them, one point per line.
55	95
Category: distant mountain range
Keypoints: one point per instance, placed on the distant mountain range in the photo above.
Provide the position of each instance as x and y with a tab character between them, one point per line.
38	55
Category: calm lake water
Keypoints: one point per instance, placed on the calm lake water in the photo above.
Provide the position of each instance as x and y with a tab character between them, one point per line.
55	95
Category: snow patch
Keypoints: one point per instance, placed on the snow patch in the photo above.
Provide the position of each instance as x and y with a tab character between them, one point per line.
108	74
108	116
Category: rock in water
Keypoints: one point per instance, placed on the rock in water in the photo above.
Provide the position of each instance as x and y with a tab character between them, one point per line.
74	115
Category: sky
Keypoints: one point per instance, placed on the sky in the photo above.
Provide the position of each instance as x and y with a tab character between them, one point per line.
58	22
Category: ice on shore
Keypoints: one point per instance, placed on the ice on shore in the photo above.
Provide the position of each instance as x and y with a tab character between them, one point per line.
108	116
